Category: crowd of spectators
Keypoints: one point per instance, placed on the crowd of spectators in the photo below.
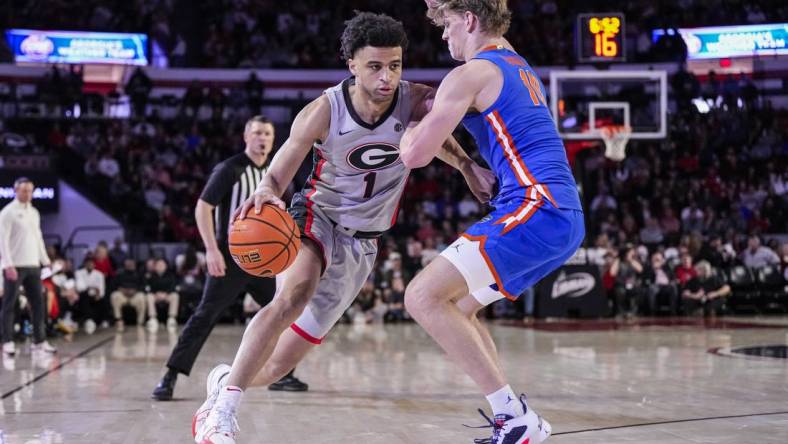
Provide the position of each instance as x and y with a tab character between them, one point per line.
111	288
147	172
673	219
267	33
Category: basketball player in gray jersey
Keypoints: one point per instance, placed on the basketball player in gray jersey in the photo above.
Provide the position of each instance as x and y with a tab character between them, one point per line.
351	198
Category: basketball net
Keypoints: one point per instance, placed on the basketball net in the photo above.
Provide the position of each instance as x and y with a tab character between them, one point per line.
615	138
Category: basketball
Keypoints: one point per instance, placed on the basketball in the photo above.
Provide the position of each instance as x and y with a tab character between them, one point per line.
265	244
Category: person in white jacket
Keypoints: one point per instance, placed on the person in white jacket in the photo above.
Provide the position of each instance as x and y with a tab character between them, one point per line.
91	286
22	253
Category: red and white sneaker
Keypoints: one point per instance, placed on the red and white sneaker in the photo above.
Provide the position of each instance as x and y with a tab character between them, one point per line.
212	386
527	429
221	427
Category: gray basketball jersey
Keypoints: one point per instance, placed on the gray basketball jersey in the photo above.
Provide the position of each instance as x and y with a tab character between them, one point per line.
358	177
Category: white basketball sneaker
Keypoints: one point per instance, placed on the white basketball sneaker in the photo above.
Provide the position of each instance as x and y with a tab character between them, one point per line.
527	429
9	348
221	427
43	347
212	386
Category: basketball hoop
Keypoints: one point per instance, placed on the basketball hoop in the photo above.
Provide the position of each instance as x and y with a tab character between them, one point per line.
615	138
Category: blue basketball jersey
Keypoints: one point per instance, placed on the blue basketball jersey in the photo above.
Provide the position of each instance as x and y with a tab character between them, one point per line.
518	139
537	223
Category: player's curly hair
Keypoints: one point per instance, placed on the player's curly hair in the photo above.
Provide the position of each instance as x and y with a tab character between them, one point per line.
494	15
370	29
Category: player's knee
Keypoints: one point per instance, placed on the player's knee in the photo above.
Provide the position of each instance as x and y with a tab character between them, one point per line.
292	304
289	310
417	299
469	310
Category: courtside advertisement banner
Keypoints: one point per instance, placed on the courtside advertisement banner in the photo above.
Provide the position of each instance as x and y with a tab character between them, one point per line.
732	41
77	47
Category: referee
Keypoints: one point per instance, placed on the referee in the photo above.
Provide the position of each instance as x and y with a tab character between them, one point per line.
231	183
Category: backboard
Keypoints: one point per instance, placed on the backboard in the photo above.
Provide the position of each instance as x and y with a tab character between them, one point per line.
583	102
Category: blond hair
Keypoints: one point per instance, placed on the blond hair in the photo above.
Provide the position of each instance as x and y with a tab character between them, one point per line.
494	16
704	267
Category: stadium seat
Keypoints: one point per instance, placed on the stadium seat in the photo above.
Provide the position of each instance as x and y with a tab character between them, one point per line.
772	288
745	297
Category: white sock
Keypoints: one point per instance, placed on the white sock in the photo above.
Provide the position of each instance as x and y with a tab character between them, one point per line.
229	398
505	402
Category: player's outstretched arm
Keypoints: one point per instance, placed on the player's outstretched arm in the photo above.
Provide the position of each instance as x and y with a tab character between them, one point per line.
480	180
423	141
310	124
451	152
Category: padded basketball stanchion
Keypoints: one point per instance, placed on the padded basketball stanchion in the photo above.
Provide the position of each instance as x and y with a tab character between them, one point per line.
615	138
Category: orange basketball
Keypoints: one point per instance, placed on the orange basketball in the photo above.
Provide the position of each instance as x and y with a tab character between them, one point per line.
265	244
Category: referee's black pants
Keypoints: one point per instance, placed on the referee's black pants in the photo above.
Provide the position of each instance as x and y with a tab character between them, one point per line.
217	295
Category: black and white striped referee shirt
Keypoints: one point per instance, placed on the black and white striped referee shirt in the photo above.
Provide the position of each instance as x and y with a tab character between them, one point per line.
231	183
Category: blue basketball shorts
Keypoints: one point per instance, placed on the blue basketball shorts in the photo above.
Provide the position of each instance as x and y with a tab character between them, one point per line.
515	246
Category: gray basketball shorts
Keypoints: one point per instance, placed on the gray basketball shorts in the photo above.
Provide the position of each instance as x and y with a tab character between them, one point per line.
347	263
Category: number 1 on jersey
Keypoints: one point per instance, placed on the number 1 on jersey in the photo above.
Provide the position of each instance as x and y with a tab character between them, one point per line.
370	180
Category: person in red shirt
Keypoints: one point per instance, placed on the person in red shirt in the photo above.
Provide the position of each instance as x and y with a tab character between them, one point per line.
685	271
102	261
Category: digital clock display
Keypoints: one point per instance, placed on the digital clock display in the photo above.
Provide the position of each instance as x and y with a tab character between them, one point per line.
600	37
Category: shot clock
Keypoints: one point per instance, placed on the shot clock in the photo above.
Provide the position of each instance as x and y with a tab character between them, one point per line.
600	37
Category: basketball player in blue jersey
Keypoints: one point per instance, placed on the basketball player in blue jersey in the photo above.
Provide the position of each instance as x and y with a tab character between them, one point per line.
354	130
537	223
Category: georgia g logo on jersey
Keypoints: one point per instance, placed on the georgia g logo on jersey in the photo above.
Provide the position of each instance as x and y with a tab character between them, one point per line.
373	156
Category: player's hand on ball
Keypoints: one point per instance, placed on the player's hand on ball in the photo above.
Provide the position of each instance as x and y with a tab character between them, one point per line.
481	181
264	197
215	262
256	201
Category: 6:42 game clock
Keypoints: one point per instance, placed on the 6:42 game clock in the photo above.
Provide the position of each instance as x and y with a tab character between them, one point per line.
600	37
